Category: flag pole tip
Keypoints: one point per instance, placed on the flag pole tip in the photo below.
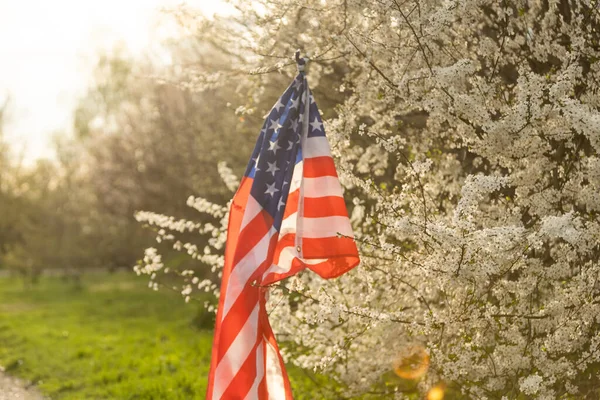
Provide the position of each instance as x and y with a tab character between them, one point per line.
300	62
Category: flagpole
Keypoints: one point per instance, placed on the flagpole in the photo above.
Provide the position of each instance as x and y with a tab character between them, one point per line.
301	64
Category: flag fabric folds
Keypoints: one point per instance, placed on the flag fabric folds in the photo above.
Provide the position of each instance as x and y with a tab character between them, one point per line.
287	215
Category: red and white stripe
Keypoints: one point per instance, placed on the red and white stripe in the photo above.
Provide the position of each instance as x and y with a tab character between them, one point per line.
319	224
243	338
246	363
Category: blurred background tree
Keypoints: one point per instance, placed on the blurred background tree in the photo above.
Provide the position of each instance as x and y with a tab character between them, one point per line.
9	207
142	141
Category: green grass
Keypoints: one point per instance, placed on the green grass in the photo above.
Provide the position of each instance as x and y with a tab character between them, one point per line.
113	338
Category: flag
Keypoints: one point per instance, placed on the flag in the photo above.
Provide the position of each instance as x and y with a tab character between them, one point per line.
288	214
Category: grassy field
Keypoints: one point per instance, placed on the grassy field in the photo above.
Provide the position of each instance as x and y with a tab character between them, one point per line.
113	338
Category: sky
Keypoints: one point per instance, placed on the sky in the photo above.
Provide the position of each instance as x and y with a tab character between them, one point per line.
47	55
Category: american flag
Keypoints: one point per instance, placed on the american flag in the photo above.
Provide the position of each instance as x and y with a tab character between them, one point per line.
287	215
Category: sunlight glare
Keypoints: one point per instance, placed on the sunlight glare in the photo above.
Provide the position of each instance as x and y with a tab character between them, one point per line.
49	50
412	363
437	392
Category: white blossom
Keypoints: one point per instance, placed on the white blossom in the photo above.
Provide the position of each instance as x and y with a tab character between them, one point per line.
468	137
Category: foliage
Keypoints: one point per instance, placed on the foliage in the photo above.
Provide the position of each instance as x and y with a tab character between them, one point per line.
50	214
149	142
138	143
467	137
9	203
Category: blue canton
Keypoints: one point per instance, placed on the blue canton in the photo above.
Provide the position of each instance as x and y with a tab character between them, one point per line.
278	148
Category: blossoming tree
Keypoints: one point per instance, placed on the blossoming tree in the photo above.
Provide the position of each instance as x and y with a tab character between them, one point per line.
468	135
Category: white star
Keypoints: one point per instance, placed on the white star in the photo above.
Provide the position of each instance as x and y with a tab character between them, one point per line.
271	189
295	102
285	182
278	105
274	146
272	167
281	203
256	163
290	145
316	125
274	125
297	84
295	125
312	99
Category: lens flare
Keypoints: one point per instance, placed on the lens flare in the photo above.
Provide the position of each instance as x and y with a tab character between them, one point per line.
437	392
413	363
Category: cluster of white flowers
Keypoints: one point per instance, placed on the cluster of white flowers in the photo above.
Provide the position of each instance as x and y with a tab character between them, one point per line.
231	181
469	137
205	206
166	222
152	262
531	384
169	230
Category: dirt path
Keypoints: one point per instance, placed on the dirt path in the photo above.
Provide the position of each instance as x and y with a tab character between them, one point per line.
14	389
